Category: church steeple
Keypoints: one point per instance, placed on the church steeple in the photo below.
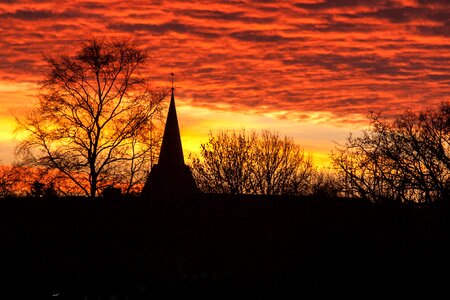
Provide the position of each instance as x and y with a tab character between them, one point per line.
171	150
170	177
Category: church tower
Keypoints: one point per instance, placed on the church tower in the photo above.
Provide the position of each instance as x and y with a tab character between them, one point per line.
170	177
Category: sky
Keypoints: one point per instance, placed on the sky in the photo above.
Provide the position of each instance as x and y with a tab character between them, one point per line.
311	70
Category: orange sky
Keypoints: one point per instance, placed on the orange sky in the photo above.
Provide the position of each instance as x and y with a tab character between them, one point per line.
308	69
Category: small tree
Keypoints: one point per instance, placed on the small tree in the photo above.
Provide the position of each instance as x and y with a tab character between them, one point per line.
239	163
94	108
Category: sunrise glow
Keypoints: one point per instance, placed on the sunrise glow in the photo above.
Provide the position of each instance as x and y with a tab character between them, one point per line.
311	70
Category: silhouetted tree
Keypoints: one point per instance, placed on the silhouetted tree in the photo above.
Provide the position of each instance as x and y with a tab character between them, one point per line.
407	159
37	189
50	191
226	163
8	181
280	167
92	122
239	163
326	184
14	181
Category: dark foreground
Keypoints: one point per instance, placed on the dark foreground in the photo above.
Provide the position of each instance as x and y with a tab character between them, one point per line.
76	248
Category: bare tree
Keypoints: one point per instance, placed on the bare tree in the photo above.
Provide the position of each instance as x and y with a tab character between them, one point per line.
239	163
225	164
93	108
406	159
280	166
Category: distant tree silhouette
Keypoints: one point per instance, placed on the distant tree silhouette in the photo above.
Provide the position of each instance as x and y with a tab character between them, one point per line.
236	162
95	117
17	181
37	189
326	184
14	181
8	181
407	159
50	191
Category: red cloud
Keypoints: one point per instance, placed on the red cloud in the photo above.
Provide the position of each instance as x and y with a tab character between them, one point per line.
337	57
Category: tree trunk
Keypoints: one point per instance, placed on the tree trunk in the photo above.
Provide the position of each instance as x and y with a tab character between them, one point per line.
93	185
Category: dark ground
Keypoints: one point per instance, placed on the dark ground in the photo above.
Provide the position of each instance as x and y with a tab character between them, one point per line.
77	248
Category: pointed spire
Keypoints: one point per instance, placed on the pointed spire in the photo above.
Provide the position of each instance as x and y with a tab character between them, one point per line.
170	176
171	149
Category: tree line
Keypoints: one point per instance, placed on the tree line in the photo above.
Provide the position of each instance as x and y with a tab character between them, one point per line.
98	123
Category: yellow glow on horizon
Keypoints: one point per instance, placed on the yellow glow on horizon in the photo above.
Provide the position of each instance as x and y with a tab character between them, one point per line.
15	87
313	136
313	130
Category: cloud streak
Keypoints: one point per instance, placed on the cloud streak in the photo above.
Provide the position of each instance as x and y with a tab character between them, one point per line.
290	59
